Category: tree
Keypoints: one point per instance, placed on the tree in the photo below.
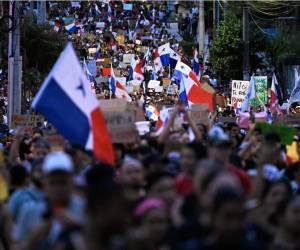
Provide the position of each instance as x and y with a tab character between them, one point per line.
40	47
227	48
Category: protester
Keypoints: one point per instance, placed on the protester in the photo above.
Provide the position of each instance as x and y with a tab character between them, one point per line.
184	182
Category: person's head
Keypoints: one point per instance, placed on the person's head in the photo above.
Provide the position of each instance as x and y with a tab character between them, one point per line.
228	216
276	193
37	133
36	174
152	219
39	148
18	176
220	145
233	130
290	220
161	185
189	156
271	148
58	177
132	173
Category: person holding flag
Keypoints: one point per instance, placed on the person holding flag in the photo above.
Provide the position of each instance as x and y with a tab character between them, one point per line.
65	97
117	89
196	65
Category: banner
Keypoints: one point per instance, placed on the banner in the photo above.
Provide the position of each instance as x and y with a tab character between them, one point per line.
120	120
238	92
199	114
261	87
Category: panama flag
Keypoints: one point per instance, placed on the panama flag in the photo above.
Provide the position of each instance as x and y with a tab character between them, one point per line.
71	27
164	54
275	95
196	66
157	63
162	121
174	58
191	91
66	100
116	87
136	69
152	113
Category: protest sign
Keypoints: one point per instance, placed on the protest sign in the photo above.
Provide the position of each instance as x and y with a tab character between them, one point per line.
199	113
100	25
238	92
28	121
127	6
286	134
75	4
261	88
127	58
120	39
143	127
152	84
120	120
92	52
129	89
291	120
245	118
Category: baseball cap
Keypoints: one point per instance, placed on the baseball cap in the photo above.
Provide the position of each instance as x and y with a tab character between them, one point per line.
217	137
57	161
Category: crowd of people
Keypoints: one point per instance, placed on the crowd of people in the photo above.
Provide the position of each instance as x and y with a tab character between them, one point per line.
227	187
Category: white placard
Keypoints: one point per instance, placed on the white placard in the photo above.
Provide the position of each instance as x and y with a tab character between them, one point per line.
238	92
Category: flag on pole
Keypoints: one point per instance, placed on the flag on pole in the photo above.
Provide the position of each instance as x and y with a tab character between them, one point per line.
71	28
164	54
153	76
275	95
117	89
196	66
174	58
98	52
136	69
67	101
250	94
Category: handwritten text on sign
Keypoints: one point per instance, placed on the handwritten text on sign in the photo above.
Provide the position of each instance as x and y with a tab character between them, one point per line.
238	92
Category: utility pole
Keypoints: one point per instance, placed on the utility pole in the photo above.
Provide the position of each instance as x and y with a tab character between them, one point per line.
41	12
201	27
216	16
225	8
14	62
246	62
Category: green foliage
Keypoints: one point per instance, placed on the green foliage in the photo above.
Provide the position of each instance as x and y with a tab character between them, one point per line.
40	47
284	45
227	48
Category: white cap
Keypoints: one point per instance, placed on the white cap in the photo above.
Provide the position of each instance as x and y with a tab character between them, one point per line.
57	161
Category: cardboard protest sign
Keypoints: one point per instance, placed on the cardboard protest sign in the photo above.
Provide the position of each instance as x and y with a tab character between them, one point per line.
127	58
120	120
199	113
92	52
166	82
286	134
291	120
30	121
120	39
261	87
238	92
